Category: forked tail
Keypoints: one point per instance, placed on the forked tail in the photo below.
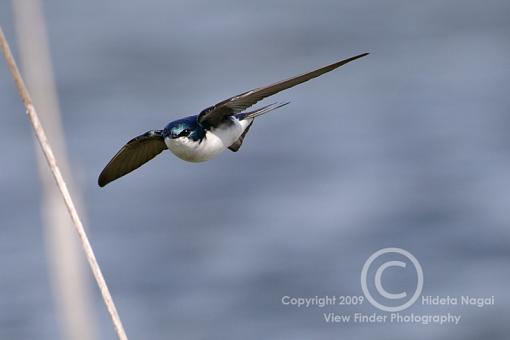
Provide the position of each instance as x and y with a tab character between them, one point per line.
260	111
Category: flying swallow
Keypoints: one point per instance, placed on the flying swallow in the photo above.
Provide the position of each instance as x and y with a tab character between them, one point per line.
204	136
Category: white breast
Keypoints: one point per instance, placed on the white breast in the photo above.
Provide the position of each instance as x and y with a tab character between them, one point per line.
215	142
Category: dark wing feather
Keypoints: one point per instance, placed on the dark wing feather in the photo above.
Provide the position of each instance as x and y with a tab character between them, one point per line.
237	144
134	154
215	114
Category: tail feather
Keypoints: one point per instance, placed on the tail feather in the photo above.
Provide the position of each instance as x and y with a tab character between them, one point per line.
251	115
260	111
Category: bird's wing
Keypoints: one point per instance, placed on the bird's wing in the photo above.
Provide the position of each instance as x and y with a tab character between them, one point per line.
134	154
215	114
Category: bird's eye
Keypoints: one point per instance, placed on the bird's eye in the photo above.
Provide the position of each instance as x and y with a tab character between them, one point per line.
184	133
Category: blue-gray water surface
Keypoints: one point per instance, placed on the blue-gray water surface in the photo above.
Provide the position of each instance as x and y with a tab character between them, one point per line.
408	147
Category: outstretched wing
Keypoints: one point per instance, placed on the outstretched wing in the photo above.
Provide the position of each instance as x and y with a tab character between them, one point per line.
134	154
215	114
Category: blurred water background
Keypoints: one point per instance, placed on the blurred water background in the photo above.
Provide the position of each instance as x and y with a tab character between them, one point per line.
408	147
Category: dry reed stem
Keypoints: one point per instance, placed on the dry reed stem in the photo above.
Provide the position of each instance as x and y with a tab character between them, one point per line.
50	158
67	273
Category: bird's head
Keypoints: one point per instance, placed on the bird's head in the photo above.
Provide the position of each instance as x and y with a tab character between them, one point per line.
185	128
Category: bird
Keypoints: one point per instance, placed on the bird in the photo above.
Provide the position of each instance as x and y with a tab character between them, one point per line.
202	137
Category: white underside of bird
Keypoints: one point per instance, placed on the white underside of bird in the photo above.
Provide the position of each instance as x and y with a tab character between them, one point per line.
215	141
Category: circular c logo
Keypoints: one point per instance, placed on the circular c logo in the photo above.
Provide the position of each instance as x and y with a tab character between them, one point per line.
378	284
